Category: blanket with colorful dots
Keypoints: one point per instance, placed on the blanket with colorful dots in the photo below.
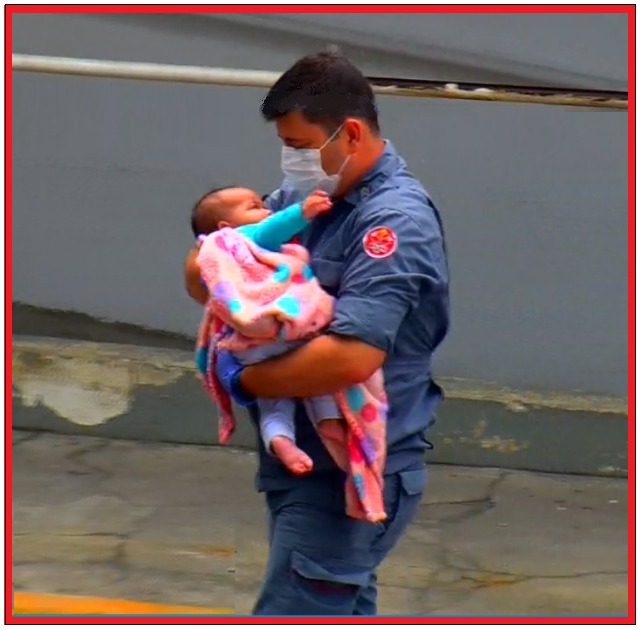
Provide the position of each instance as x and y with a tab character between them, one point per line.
258	296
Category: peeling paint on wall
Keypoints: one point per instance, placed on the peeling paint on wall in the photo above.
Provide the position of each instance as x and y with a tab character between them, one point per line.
139	392
502	445
91	383
87	384
520	401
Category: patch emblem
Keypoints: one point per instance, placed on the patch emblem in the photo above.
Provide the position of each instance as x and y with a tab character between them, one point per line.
380	242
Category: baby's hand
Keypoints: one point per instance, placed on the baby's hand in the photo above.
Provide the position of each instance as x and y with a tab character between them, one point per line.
317	203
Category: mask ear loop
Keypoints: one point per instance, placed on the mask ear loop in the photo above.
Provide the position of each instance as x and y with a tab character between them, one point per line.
333	136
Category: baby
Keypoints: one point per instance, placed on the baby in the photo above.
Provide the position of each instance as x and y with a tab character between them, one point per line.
243	210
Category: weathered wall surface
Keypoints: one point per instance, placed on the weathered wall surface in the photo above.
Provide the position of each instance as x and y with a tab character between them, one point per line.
141	393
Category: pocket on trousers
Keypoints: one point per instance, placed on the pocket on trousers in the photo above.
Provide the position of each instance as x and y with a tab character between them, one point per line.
413	481
328	586
403	492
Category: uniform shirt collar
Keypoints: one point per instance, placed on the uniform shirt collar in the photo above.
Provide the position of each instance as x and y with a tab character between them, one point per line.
386	164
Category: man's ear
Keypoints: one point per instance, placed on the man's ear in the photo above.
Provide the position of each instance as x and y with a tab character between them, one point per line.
354	132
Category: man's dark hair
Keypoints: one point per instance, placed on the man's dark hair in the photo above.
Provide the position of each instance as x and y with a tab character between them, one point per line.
206	221
326	89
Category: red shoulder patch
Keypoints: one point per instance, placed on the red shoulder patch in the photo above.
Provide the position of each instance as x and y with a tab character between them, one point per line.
380	242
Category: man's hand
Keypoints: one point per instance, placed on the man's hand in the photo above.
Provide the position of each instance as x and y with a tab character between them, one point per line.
317	203
228	371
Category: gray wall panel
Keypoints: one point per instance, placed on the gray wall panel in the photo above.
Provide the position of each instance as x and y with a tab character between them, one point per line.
534	198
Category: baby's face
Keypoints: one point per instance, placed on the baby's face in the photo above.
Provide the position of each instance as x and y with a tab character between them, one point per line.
243	207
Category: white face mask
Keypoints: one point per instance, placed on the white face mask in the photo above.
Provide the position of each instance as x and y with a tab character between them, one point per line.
303	169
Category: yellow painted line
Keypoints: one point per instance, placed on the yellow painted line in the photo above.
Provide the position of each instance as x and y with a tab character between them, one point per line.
49	604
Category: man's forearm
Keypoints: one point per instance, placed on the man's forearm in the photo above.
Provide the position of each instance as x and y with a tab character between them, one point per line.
323	366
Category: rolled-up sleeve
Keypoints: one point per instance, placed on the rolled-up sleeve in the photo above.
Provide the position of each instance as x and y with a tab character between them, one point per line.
394	256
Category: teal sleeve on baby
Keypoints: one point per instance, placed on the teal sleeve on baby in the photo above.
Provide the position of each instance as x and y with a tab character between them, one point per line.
277	229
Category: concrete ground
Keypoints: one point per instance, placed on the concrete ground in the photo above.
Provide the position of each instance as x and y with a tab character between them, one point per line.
182	526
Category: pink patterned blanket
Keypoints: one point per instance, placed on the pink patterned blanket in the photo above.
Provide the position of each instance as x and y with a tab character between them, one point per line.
264	296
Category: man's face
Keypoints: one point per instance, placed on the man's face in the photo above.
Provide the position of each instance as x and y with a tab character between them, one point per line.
298	133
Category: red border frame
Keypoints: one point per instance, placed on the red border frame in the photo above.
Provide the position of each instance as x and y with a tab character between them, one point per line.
320	8
7	317
628	9
631	314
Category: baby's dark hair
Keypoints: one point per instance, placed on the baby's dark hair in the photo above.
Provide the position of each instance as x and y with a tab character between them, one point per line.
206	213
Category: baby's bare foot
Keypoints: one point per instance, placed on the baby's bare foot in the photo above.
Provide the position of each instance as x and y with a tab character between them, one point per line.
296	460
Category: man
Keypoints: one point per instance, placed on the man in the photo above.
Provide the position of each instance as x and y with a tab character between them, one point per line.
381	252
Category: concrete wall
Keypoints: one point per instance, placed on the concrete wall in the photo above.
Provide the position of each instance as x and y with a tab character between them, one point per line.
534	198
588	51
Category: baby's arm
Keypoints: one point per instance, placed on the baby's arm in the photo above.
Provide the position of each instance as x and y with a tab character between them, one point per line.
279	228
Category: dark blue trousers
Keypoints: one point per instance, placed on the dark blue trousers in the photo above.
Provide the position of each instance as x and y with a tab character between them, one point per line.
322	562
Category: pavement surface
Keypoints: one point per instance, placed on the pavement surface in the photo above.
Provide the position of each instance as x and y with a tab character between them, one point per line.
119	526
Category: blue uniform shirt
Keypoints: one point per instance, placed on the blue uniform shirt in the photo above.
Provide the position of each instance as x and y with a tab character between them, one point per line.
391	286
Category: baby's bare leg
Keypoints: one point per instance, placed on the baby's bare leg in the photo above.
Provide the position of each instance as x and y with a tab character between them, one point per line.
324	413
290	455
277	431
334	434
